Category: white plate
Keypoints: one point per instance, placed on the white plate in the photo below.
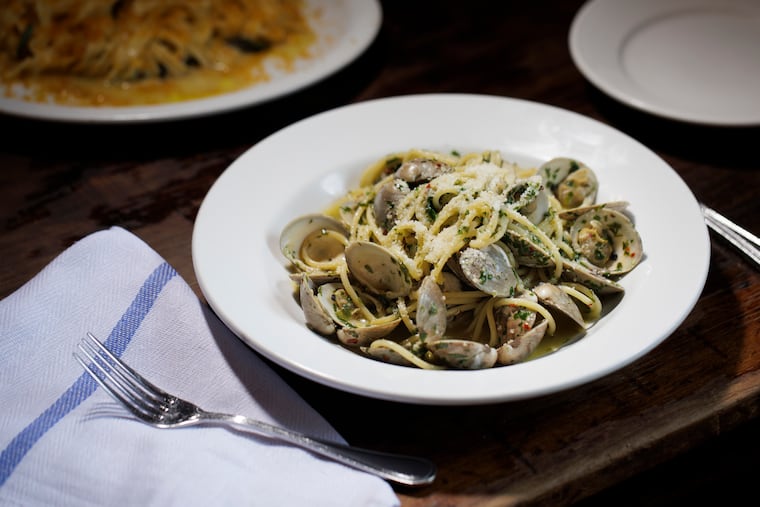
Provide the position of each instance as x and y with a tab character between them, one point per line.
689	60
305	166
345	28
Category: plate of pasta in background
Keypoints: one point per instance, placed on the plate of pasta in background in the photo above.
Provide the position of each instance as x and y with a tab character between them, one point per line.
138	60
516	251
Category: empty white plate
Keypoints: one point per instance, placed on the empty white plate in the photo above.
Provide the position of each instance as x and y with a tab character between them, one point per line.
696	61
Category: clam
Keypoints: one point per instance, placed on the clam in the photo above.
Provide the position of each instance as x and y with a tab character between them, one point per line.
573	213
571	181
378	269
526	249
519	348
574	271
536	210
386	199
555	298
513	321
517	332
431	310
530	198
608	240
363	336
489	269
311	240
418	170
354	327
317	317
450	282
464	354
393	352
385	351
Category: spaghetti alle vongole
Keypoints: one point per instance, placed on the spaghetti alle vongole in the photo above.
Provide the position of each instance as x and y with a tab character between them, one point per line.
440	260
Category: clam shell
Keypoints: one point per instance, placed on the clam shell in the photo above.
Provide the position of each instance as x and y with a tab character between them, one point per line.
378	269
572	182
489	269
464	354
311	226
624	242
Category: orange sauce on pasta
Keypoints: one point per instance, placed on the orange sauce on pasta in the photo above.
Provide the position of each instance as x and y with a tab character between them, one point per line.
234	70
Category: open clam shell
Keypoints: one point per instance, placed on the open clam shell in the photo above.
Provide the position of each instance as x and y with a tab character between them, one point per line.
464	354
378	269
489	269
608	240
527	252
575	271
310	240
363	336
573	183
350	324
317	317
431	310
386	202
557	299
518	349
573	213
530	198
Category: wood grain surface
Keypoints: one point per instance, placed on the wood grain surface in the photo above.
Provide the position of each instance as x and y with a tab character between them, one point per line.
679	424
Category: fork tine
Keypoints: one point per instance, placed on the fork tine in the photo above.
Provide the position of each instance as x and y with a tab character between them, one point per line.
125	372
116	379
116	395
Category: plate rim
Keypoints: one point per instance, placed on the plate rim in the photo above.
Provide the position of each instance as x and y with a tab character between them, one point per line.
360	36
312	372
598	74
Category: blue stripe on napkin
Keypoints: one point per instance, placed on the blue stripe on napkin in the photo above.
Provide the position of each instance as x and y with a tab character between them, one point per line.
84	386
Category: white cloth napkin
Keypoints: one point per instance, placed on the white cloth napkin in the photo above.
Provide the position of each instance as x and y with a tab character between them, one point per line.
65	442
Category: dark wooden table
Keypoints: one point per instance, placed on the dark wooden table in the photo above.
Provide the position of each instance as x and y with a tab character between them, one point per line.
681	423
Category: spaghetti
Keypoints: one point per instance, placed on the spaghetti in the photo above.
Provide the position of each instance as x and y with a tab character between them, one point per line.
118	52
458	261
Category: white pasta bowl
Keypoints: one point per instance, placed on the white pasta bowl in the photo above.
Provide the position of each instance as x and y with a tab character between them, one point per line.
306	166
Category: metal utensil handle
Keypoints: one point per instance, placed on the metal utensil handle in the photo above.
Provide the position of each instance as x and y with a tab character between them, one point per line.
740	238
402	469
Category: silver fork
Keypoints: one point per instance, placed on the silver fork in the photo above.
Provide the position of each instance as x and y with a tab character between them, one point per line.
740	238
163	410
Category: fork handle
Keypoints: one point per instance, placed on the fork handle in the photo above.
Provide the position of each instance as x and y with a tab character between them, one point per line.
399	468
740	238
